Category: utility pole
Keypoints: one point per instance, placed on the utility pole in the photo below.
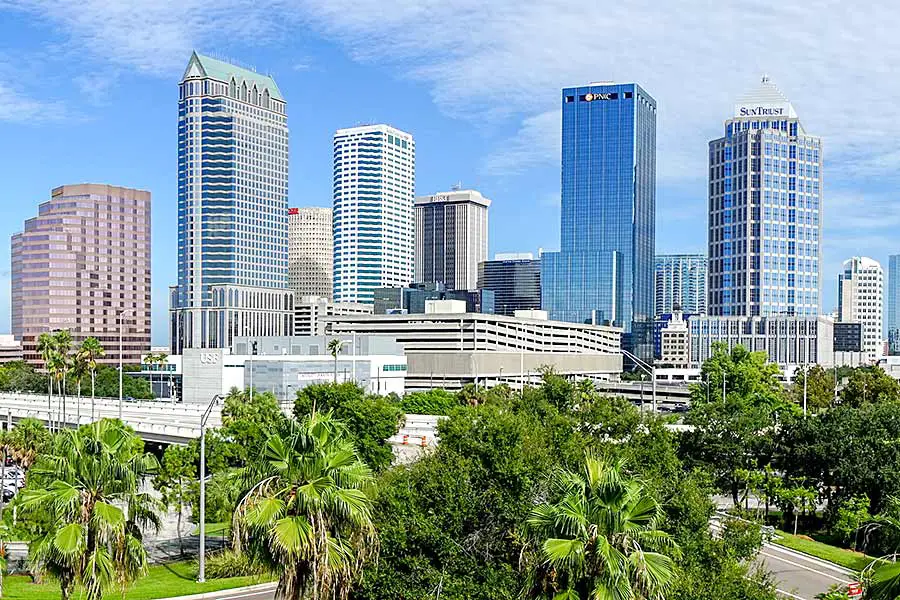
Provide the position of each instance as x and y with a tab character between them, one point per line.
201	576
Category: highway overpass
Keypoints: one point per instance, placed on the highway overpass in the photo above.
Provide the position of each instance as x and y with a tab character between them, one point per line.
163	422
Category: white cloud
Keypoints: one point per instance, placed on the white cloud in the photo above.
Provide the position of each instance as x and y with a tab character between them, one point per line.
17	107
505	61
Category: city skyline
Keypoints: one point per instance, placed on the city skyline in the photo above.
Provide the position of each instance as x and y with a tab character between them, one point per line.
484	151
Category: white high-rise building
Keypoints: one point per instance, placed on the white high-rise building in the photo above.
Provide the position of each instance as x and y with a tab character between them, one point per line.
451	238
232	207
681	283
765	198
310	252
861	300
374	219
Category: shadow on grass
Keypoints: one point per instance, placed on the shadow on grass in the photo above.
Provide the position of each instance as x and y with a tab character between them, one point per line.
170	568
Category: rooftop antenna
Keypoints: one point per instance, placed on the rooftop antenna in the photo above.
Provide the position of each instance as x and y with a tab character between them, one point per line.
456	186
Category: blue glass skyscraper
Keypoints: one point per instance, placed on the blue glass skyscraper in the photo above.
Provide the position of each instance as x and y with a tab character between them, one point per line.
892	304
603	272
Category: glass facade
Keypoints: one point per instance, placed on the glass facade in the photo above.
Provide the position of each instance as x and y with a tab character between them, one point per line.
681	281
892	304
765	194
232	203
516	284
603	272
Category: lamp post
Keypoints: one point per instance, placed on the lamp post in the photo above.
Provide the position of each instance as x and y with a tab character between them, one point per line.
723	386
201	575
121	314
649	369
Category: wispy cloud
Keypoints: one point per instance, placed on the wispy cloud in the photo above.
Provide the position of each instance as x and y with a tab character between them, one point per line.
96	87
505	61
16	107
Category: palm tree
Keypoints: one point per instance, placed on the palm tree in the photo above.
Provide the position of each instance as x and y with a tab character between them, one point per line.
89	486
150	360
161	359
46	347
26	441
58	365
63	364
600	538
79	370
92	350
334	348
307	514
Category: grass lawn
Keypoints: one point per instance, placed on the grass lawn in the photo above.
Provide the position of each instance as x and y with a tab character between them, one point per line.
213	529
855	561
162	581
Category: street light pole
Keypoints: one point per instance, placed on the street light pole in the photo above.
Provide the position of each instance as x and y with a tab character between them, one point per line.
649	369
121	315
201	576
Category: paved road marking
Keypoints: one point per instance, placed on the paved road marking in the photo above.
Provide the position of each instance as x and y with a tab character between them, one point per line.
789	595
806	568
812	559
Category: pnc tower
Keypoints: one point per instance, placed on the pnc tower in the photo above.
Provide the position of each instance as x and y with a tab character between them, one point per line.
604	271
765	195
232	207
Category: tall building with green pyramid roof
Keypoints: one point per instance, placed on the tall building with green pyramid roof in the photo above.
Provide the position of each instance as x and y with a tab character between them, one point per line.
232	207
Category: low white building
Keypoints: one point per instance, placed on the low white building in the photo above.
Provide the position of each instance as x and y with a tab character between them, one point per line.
285	365
309	312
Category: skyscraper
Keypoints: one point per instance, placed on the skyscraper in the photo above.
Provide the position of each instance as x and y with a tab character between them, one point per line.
515	280
81	263
603	272
681	281
374	221
765	191
310	252
892	304
451	238
861	300
232	207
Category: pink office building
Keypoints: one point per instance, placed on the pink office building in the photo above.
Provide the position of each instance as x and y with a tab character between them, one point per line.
83	262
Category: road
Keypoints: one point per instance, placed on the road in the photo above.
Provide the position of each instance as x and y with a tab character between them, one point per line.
798	576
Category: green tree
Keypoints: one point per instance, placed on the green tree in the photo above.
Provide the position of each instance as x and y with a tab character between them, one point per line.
851	516
600	538
247	424
92	351
797	499
89	485
334	348
870	385
819	388
845	452
27	441
307	514
174	479
369	419
738	435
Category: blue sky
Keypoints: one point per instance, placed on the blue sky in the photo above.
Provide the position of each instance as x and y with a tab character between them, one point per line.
88	92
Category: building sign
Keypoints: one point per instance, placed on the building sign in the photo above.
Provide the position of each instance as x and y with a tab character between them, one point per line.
592	97
209	358
779	110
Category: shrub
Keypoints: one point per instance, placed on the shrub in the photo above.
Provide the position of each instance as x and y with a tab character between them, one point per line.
229	563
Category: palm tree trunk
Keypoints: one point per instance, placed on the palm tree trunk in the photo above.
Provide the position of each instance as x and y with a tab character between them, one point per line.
64	417
79	401
335	369
50	402
92	395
